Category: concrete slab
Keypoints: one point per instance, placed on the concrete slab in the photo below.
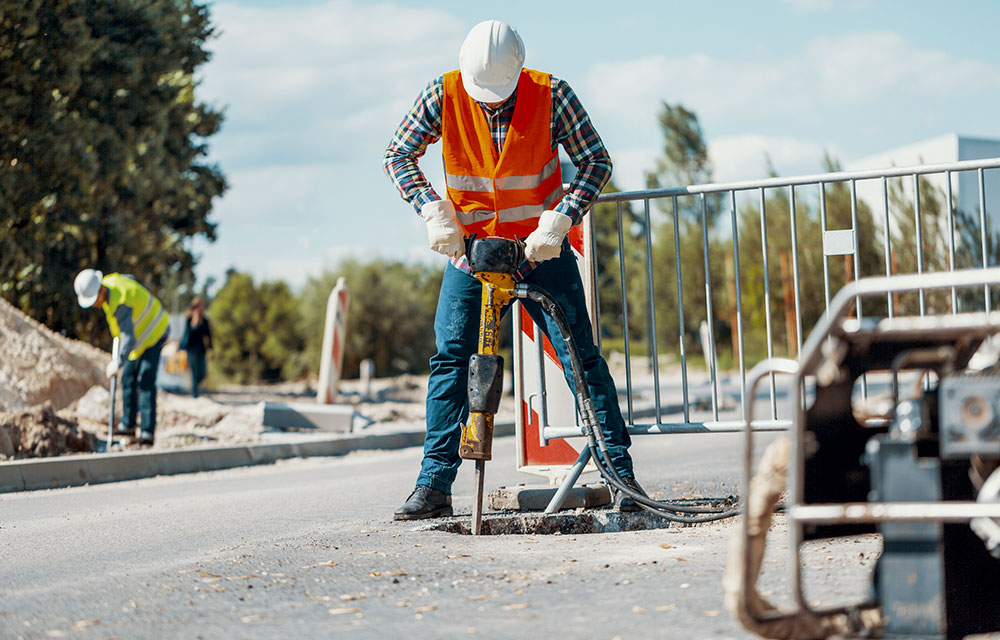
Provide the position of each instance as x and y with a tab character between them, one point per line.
525	498
48	474
268	453
225	458
302	415
76	470
10	477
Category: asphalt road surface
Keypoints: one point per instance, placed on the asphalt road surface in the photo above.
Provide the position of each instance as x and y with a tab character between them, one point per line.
308	549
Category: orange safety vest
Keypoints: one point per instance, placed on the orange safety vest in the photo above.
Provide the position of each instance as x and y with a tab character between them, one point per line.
500	195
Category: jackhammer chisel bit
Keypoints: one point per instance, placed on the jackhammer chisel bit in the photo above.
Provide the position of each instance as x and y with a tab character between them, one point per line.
477	506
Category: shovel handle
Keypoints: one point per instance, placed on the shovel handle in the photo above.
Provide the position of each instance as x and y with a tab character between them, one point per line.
111	394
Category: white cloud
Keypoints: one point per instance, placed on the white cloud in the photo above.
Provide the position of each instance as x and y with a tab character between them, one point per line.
630	167
734	158
744	157
347	71
829	72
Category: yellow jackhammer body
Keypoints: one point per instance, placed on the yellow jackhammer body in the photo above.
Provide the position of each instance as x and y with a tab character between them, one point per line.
493	260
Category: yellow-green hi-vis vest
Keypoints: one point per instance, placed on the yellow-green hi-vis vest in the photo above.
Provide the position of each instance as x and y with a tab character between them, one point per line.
149	320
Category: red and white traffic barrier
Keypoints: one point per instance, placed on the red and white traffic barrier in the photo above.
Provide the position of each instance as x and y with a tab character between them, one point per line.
540	390
331	361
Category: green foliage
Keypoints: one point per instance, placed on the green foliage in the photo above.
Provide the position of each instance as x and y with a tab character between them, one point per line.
685	227
678	239
934	253
797	258
390	316
608	259
685	152
256	331
101	148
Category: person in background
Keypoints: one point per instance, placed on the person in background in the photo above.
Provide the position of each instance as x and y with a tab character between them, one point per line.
197	341
137	317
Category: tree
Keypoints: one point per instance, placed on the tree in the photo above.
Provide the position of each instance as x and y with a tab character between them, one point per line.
607	259
256	331
810	256
102	147
390	318
684	162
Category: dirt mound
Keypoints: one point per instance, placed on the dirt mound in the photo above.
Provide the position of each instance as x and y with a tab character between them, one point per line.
38	366
181	421
39	433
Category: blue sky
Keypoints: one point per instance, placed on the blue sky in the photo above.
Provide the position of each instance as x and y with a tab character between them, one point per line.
313	91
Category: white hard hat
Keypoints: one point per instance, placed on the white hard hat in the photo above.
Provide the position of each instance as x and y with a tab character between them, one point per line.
87	285
490	61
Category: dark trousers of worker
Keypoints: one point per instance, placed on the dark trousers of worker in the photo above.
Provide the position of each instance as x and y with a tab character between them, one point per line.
139	389
196	362
456	328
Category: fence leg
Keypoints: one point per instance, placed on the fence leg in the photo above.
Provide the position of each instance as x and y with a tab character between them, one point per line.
574	474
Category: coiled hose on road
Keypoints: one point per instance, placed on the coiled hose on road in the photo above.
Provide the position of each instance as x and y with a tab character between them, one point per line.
688	513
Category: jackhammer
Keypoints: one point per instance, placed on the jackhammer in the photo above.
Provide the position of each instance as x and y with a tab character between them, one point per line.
494	262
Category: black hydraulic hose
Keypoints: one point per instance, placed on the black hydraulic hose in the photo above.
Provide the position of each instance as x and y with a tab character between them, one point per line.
595	436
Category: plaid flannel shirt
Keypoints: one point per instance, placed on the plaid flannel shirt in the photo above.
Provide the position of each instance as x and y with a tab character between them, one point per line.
570	127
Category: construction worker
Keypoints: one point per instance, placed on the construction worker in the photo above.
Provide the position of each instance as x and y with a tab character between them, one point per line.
500	126
138	318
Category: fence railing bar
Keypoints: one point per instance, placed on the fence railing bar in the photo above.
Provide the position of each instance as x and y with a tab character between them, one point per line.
710	315
795	269
624	289
767	295
715	426
826	258
739	303
951	241
888	239
857	271
652	309
837	176
982	235
920	239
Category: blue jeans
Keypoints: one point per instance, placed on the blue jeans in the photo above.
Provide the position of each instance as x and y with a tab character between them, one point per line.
456	329
196	362
139	388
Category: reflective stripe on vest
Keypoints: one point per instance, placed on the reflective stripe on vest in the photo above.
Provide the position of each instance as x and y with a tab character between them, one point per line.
511	214
500	193
149	320
478	183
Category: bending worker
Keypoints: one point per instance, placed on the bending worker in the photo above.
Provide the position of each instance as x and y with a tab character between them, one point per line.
138	318
500	127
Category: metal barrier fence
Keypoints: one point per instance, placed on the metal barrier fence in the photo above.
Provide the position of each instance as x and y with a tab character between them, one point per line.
880	231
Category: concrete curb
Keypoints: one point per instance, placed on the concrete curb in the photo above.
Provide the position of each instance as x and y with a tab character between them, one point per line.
71	471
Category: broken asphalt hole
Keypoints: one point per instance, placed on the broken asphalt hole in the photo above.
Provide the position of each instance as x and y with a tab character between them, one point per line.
497	524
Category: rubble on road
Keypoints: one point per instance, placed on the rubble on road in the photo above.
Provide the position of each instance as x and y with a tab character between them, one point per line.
39	432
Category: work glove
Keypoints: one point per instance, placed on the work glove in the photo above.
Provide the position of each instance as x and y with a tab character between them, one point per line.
112	369
545	242
443	231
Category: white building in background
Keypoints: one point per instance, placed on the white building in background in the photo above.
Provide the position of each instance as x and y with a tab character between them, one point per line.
943	149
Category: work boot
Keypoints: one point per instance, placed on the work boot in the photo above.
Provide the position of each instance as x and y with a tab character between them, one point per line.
424	502
625	503
121	430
